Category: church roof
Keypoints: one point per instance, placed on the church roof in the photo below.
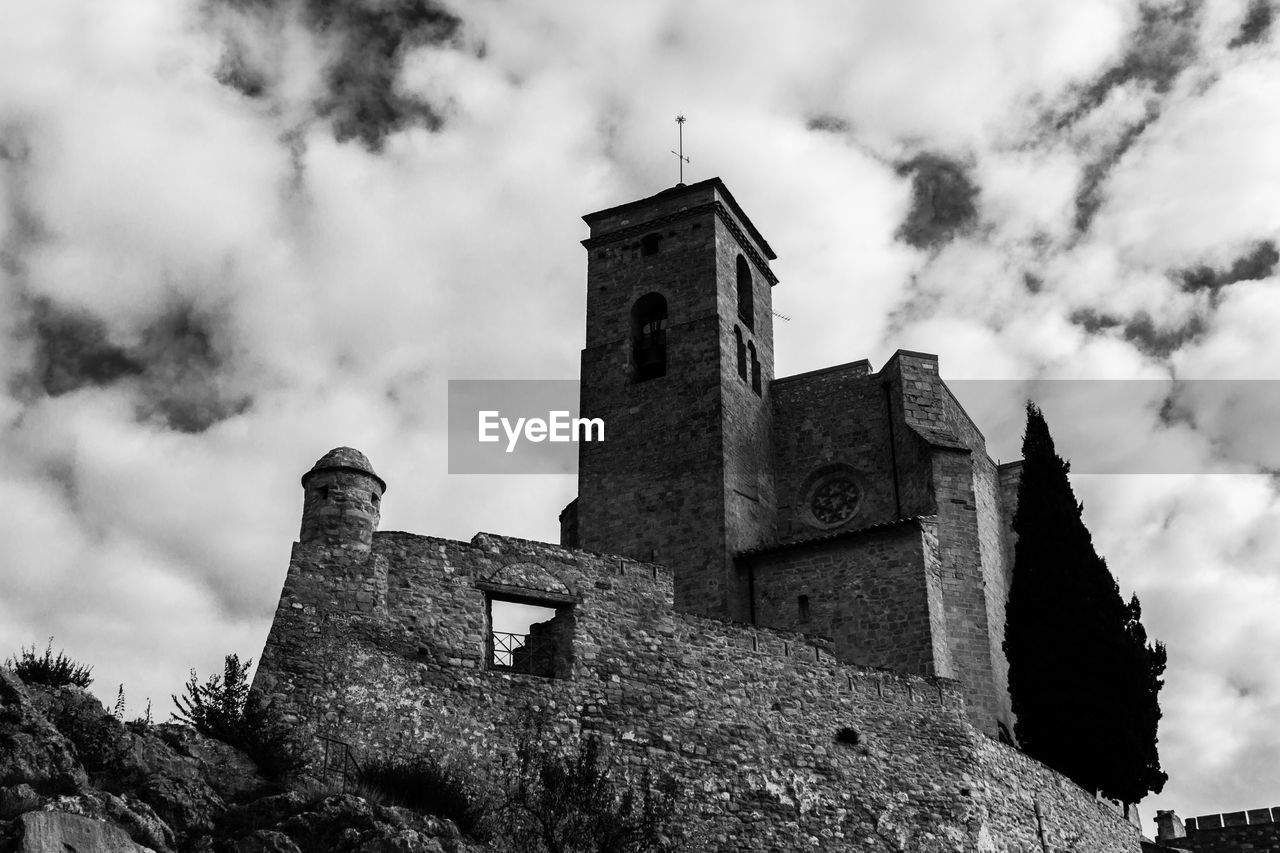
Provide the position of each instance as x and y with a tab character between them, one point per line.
771	547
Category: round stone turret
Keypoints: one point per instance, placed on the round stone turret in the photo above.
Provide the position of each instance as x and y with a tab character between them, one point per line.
342	500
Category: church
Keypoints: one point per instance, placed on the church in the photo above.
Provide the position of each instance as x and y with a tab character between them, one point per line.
786	592
849	503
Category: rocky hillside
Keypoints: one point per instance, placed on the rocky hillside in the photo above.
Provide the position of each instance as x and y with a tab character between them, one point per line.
73	779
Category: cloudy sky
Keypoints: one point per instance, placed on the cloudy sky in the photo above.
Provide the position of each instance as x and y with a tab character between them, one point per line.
237	233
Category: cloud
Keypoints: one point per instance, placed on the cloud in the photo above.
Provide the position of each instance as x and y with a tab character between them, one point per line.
1255	27
943	201
175	368
1143	332
1159	48
1255	264
364	45
72	351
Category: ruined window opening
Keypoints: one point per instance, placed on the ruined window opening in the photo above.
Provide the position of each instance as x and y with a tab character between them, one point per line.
649	244
373	498
649	337
755	368
529	636
746	294
742	352
803	602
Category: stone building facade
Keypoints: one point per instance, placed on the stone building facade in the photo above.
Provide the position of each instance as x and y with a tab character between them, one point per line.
786	592
849	503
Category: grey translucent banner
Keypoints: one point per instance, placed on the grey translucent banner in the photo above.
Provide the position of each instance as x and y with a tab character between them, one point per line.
1156	426
516	426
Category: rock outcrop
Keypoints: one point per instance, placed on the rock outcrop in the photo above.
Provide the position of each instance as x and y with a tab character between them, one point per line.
74	778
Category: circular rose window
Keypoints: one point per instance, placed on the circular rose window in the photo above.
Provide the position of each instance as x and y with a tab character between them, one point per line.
834	497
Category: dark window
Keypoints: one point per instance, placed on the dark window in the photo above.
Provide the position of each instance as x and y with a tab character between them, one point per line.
742	352
746	294
803	603
649	244
755	367
530	637
649	337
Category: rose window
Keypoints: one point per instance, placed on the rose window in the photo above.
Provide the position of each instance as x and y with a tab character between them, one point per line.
834	500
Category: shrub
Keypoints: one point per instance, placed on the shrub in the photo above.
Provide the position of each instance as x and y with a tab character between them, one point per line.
118	710
49	670
424	784
566	799
221	708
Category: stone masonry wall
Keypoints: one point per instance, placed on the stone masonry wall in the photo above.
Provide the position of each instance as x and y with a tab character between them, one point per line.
992	514
967	495
663	460
387	651
875	593
749	499
836	415
1255	830
1010	477
687	452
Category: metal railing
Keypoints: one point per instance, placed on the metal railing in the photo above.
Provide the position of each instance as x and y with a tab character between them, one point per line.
339	762
531	654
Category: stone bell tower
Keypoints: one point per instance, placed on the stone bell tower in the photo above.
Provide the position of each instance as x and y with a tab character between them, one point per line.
678	363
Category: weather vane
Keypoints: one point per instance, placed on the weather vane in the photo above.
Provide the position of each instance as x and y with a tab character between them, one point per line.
680	153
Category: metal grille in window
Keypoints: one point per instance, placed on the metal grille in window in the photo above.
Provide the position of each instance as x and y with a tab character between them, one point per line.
532	654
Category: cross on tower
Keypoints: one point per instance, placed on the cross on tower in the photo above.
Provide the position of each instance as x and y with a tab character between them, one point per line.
680	154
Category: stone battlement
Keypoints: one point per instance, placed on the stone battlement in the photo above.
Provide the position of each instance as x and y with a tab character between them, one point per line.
1253	829
1252	817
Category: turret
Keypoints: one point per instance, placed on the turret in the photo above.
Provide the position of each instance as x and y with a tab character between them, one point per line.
342	500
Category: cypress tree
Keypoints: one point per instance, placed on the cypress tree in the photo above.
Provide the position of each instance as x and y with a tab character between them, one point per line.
1082	677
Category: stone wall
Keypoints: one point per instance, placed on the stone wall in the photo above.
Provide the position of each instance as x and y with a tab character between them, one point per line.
1255	830
662	461
688	451
750	500
914	451
836	415
876	593
387	650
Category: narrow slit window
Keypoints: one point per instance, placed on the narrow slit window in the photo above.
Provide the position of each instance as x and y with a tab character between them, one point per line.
755	367
742	352
803	603
746	294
